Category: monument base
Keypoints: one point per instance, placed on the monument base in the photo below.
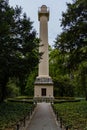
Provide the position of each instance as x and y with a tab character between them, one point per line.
43	89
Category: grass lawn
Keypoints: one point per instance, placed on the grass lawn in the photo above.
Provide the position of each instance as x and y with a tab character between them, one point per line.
73	114
12	112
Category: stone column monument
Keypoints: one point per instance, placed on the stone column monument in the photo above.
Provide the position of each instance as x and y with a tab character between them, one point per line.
43	84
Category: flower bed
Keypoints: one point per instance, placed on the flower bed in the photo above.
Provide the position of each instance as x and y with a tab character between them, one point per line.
12	112
73	115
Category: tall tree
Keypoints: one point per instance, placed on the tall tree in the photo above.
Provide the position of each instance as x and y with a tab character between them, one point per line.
59	73
73	39
18	46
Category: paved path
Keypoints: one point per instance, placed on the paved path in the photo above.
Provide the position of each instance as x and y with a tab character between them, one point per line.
43	118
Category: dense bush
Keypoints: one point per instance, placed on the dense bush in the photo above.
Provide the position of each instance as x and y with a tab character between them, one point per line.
74	115
12	112
63	87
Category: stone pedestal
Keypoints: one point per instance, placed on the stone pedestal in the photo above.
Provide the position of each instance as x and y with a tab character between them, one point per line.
43	87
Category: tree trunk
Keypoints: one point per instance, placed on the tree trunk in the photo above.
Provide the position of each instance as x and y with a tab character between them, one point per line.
22	85
86	94
3	88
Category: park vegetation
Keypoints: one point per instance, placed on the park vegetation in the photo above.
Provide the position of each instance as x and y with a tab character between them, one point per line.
72	116
12	112
19	55
68	58
19	59
68	66
18	50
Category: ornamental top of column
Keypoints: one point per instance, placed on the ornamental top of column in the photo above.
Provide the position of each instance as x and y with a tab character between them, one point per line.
43	11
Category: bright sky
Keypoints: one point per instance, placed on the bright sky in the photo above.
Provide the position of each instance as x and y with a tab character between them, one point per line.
30	7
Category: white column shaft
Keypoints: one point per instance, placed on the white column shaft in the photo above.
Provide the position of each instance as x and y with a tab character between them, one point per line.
44	62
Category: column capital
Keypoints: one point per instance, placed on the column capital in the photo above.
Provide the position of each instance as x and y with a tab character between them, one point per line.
43	11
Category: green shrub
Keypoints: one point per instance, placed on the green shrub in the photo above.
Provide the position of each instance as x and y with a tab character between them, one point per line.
12	112
73	114
63	87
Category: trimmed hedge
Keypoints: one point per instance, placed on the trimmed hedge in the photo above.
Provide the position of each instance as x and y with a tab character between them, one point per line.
65	98
21	101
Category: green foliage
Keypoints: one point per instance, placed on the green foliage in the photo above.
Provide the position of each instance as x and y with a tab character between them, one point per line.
72	45
59	74
56	61
12	88
29	89
63	86
23	97
82	74
73	114
73	38
10	113
18	47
